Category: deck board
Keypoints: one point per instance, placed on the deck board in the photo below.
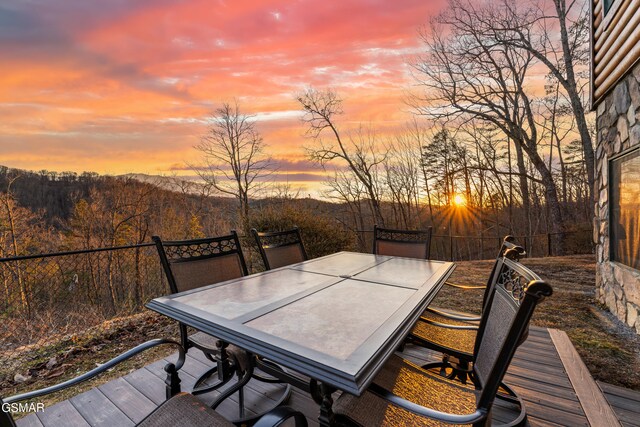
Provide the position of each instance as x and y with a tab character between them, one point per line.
109	414
148	384
61	414
129	400
614	390
547	390
595	406
537	374
30	420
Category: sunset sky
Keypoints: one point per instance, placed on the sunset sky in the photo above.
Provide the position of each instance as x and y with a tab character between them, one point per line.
125	86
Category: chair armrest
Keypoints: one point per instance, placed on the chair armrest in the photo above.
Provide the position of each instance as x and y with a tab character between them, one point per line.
446	417
279	415
457	285
454	316
448	326
105	367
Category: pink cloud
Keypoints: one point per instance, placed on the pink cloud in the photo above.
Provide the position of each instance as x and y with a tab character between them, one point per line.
125	86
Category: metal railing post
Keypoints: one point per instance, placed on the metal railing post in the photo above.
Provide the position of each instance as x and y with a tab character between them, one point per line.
450	248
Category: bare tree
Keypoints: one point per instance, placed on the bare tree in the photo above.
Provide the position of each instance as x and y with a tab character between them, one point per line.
558	125
402	176
8	203
536	30
472	75
351	194
233	151
117	213
358	151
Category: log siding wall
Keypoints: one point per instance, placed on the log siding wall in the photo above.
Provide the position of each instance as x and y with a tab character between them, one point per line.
615	44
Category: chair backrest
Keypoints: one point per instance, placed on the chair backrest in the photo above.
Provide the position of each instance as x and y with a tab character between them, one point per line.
190	264
280	248
403	243
504	325
515	253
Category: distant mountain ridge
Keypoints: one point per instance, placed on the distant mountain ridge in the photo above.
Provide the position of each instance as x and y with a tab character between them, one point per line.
54	194
177	184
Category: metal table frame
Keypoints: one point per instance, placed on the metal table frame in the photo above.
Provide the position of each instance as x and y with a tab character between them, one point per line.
406	286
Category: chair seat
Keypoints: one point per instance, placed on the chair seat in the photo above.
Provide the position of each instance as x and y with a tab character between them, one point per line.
184	410
207	343
410	382
444	319
458	342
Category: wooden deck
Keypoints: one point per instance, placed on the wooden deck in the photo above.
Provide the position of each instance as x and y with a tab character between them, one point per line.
625	403
544	372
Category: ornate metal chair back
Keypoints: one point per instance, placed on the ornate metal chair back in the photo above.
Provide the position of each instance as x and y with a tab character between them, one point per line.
403	243
517	252
280	248
505	322
190	264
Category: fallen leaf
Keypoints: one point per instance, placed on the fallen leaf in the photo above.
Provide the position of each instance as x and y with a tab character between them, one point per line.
51	363
19	378
58	371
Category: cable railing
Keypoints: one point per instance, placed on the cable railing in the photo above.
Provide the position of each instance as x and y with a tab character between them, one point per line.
468	248
65	292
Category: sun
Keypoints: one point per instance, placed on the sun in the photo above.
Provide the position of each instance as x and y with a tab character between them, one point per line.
459	200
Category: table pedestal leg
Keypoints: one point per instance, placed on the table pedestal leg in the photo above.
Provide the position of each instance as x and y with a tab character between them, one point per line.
322	395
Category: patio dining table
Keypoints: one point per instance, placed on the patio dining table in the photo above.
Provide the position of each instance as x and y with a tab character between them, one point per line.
335	319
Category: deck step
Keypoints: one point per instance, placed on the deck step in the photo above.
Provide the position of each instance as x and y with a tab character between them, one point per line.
595	405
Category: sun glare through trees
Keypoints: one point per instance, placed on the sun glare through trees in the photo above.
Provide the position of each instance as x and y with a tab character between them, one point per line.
459	200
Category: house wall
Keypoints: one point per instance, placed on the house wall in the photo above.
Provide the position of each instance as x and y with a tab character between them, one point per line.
615	44
618	129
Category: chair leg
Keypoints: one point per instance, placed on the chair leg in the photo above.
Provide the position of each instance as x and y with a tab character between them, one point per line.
512	397
241	403
243	379
273	367
442	369
205	376
224	368
460	369
445	364
197	389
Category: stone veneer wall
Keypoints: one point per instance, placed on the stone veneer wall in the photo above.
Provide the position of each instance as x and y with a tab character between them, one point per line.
618	128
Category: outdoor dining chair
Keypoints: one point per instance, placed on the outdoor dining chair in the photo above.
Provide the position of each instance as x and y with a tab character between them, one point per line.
438	314
191	264
280	248
454	334
180	409
402	243
403	393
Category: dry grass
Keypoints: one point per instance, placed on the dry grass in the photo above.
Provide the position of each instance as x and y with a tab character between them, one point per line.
610	349
78	353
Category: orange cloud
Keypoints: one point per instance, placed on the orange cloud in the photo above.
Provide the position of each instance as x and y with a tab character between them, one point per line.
127	86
